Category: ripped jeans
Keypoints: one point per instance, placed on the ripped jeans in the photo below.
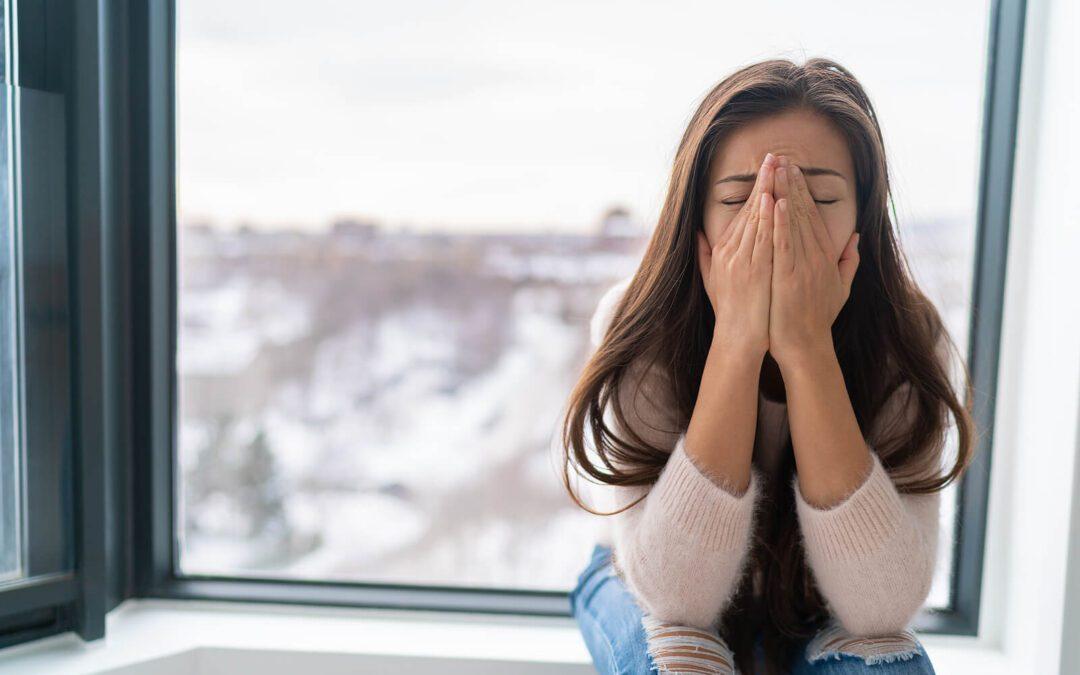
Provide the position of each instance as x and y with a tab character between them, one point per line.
624	640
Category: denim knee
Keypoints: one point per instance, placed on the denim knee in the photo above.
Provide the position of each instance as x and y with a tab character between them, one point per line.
675	648
834	650
610	619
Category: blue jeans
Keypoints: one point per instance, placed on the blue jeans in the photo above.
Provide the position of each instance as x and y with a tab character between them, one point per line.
622	639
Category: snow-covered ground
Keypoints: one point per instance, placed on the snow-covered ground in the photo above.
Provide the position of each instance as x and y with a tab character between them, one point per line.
384	407
403	436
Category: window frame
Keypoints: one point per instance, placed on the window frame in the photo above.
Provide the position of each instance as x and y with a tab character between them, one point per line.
1001	105
115	64
61	191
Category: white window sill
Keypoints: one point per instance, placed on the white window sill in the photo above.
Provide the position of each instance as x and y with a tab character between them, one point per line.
217	637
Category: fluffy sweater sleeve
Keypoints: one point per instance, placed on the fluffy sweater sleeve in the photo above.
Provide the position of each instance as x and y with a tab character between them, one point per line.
682	549
873	555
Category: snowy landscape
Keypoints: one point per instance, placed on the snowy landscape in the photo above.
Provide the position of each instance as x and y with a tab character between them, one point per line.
369	405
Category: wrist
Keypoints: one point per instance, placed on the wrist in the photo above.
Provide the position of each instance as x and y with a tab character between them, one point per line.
740	352
808	359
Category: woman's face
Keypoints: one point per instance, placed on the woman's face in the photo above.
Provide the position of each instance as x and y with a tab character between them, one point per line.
808	140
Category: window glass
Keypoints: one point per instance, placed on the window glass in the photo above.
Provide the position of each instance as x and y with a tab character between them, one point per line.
395	221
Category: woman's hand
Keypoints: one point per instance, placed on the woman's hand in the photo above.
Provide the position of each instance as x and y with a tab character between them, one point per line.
737	269
809	284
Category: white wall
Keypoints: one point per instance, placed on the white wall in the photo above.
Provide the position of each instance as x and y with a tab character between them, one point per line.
1034	471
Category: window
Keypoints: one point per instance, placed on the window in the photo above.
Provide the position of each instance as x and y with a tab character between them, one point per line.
386	269
295	302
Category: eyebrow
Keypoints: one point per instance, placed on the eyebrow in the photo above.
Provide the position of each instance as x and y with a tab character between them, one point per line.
807	171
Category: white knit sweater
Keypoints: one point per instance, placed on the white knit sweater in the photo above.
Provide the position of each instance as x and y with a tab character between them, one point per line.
683	548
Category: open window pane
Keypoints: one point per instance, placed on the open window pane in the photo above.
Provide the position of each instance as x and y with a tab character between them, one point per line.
395	221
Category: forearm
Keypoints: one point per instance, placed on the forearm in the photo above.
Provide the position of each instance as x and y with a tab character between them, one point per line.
831	455
872	550
720	435
873	556
682	549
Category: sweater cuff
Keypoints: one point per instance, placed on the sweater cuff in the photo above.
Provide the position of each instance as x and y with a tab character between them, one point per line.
699	507
860	524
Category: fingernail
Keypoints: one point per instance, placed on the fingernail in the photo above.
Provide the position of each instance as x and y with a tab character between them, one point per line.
768	158
781	173
795	171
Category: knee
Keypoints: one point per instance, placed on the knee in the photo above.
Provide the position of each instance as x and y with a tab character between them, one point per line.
877	654
674	648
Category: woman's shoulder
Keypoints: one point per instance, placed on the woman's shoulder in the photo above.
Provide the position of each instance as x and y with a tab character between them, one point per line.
605	310
645	392
642	368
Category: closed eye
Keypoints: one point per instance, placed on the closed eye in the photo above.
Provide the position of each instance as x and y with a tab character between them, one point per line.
740	201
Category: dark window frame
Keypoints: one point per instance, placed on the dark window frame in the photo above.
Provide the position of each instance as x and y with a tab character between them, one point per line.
113	61
55	197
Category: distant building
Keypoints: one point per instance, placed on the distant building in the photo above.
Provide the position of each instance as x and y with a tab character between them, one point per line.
617	222
355	228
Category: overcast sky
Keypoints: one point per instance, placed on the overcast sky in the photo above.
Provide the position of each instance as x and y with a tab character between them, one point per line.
502	115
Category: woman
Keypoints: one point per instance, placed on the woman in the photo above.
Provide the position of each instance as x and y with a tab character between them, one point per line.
766	405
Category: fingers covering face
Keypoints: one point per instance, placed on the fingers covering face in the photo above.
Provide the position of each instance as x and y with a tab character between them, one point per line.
784	249
814	236
763	245
789	238
749	214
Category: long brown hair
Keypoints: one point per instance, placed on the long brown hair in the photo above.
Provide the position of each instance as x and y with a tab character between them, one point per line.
887	335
